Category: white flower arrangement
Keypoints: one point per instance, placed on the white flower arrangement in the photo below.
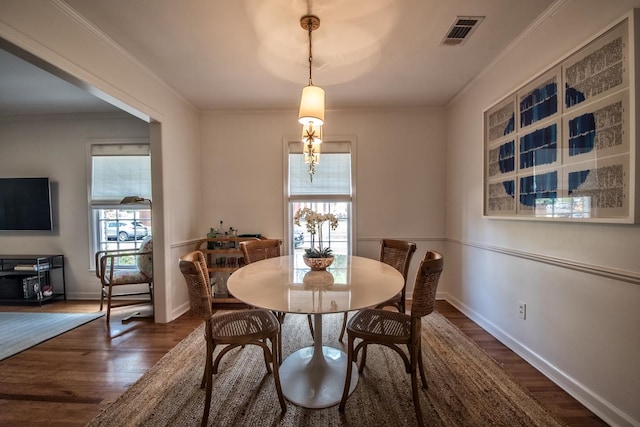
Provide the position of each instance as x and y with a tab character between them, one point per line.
314	222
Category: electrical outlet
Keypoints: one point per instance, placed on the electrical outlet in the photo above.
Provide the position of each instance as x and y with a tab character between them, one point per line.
522	310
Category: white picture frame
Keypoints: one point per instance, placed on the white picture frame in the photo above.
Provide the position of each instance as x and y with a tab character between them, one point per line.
562	146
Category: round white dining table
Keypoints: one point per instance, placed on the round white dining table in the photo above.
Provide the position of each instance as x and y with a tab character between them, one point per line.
314	377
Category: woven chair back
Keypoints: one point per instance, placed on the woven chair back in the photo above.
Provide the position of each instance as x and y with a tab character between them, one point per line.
427	278
194	269
397	253
257	250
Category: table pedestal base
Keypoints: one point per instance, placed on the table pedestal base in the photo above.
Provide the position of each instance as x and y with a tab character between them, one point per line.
313	377
316	382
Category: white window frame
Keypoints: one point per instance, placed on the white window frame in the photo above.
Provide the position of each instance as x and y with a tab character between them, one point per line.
288	211
93	206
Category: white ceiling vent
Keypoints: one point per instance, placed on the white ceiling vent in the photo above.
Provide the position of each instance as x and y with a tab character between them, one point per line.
461	29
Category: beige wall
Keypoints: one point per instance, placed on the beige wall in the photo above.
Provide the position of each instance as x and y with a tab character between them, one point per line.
581	327
399	173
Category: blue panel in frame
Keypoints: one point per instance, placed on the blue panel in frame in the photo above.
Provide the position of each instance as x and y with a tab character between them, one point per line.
539	147
540	103
541	186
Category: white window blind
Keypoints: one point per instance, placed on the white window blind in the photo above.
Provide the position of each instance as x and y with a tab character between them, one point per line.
331	191
119	170
332	175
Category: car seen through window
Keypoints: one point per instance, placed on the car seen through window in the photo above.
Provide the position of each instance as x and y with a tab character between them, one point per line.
126	230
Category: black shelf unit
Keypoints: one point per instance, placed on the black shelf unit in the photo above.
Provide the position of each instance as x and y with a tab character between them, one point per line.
24	277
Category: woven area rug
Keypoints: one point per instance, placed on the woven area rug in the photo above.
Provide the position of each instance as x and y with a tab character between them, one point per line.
466	387
20	331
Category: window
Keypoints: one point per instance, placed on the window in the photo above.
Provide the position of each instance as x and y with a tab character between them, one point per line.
331	191
119	170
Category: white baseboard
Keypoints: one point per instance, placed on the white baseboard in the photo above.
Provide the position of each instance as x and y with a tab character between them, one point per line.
92	296
598	405
179	311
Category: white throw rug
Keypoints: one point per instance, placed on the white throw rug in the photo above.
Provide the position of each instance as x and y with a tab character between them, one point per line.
20	331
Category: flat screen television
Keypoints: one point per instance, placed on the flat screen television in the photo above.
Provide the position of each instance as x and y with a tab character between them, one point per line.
25	204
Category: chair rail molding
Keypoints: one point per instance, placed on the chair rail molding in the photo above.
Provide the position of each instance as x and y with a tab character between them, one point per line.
610	273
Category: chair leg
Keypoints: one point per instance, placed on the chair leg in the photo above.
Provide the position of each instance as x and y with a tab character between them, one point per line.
416	398
101	298
276	345
310	325
279	337
421	366
347	382
344	326
415	356
224	351
109	304
363	358
269	355
209	356
209	382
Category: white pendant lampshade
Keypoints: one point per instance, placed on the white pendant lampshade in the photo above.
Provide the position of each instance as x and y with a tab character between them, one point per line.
312	106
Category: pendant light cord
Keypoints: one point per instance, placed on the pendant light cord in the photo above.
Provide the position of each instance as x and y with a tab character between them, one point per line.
310	55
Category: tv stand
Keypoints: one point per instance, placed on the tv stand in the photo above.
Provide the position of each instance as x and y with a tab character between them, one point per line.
31	279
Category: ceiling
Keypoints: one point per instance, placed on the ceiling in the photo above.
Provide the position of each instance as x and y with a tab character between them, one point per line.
253	54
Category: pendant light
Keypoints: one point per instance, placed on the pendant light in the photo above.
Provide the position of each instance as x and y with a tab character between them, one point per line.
311	114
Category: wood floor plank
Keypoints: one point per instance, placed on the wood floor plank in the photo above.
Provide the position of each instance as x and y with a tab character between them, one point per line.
68	380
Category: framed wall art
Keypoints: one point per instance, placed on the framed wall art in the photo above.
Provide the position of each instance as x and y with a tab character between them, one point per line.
500	158
563	146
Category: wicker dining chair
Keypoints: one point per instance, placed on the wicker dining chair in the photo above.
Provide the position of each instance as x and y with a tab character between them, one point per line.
233	329
398	254
257	250
393	329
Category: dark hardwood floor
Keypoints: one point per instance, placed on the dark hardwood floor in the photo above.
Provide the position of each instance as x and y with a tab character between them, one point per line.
69	379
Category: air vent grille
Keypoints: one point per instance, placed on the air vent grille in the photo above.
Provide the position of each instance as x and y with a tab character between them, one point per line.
461	29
